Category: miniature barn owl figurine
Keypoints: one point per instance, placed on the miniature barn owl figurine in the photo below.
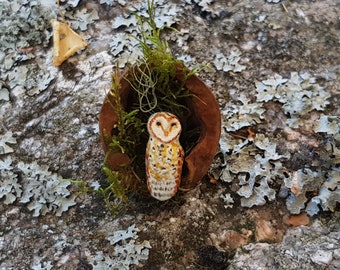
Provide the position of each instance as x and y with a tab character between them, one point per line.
164	155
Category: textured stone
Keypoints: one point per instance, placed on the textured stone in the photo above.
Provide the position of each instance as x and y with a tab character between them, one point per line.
52	114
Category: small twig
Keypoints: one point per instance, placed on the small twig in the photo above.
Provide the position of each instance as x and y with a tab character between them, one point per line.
60	12
284	7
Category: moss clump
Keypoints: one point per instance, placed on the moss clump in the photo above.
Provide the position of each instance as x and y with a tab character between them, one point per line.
122	179
155	87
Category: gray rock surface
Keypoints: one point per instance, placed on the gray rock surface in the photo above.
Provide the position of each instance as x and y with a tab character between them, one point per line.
314	247
274	69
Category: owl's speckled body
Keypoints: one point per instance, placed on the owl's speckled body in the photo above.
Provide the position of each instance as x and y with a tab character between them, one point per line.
164	156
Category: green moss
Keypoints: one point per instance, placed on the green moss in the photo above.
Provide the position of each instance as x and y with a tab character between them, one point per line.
154	88
126	134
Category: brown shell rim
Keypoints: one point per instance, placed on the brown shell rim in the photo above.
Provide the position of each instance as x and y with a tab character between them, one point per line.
206	110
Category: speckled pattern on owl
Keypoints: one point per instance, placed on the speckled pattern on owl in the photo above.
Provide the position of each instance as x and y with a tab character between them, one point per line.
164	156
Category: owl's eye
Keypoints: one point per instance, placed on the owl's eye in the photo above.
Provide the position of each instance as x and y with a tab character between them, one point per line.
173	124
158	124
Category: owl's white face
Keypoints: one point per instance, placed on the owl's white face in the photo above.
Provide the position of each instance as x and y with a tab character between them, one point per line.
164	126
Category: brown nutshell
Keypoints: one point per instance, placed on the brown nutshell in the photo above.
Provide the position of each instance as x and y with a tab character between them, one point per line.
205	109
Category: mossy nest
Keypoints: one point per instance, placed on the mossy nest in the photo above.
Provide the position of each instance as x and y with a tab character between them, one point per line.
185	96
159	82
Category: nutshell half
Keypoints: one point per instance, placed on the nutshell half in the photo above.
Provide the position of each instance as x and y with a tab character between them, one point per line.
206	114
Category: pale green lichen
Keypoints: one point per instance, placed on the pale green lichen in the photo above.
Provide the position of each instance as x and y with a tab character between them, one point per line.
127	252
41	265
112	2
211	7
42	191
6	142
328	196
82	19
255	172
327	124
9	186
255	163
299	94
227	200
230	62
123	44
242	113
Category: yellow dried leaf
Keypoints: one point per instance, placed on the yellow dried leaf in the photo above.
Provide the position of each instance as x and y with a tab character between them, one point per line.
65	42
297	220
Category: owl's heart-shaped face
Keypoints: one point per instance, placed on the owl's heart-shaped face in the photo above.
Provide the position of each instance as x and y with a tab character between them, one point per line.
164	126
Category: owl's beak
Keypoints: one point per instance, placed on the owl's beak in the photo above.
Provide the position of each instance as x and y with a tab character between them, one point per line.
165	130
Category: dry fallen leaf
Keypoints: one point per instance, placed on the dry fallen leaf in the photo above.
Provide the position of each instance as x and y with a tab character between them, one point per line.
231	239
65	42
297	220
265	231
212	180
